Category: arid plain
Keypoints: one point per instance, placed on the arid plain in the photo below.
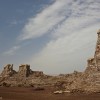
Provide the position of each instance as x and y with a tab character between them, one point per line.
30	94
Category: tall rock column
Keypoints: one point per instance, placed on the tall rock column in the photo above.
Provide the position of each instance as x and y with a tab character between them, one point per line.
24	70
97	52
94	63
8	71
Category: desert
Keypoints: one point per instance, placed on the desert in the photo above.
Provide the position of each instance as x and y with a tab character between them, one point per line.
35	85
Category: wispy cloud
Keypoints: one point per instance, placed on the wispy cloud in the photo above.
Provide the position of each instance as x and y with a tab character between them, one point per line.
44	21
72	25
12	51
69	52
73	14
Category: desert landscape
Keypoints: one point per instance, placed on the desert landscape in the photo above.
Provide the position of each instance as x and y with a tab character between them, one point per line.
14	93
49	49
35	85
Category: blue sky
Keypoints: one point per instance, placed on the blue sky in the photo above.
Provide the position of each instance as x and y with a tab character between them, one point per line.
56	36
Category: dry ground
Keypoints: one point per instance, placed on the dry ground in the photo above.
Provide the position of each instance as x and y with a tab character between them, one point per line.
19	93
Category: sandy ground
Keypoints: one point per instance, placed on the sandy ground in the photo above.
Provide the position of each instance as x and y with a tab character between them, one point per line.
47	94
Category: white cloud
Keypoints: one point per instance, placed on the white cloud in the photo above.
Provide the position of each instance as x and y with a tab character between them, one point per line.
12	51
72	25
73	12
44	21
68	53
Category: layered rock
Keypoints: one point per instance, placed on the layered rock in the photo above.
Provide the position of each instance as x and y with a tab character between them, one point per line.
97	52
24	76
24	70
91	66
94	63
8	71
75	82
37	73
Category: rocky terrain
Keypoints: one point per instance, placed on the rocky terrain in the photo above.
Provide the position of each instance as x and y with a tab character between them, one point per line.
76	82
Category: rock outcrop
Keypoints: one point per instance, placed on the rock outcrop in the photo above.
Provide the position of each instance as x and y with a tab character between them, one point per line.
97	52
87	81
24	76
37	73
8	71
90	79
94	63
24	70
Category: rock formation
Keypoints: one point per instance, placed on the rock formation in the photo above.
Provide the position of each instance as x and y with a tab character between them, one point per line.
94	63
8	71
97	52
37	73
87	81
24	76
24	70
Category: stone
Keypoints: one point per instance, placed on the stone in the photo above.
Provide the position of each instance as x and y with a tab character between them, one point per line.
91	65
8	71
76	82
94	63
97	52
6	84
37	73
24	70
60	84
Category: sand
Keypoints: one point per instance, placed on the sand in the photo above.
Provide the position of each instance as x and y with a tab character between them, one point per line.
21	93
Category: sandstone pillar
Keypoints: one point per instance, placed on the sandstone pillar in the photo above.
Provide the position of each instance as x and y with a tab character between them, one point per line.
97	52
24	70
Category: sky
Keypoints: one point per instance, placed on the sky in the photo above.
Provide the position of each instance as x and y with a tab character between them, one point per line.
53	36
